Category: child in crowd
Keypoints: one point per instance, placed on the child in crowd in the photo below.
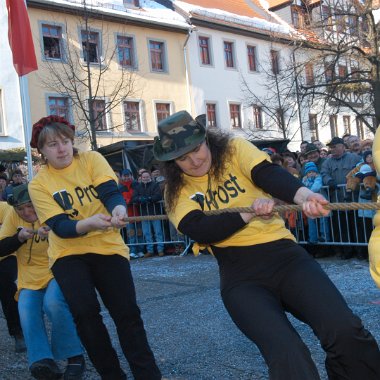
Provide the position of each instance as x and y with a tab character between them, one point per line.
313	181
364	172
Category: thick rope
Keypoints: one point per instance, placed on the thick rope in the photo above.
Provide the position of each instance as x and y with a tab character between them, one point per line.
278	208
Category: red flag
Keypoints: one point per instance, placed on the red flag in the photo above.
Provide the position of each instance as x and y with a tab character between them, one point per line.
20	38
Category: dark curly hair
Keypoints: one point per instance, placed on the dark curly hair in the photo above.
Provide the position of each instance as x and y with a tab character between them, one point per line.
220	148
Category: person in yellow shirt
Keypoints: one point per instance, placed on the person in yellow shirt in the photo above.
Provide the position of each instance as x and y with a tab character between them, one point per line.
8	288
38	293
77	196
263	272
374	241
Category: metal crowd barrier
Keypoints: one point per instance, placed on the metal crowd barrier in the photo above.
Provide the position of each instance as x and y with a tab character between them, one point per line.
341	228
174	242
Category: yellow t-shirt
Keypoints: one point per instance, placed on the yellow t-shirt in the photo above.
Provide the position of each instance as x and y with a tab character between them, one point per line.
4	209
374	241
234	190
32	259
72	191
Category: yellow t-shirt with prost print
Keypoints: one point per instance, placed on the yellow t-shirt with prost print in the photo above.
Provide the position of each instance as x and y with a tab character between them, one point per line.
235	189
32	259
72	191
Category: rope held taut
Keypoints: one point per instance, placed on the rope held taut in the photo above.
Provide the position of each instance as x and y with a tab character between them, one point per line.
279	208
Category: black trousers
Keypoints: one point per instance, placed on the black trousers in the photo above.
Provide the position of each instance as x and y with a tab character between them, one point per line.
8	288
79	277
260	283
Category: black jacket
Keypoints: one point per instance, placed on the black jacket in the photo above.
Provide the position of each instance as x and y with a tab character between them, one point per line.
148	196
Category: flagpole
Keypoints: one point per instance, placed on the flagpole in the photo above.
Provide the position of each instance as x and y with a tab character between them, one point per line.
27	121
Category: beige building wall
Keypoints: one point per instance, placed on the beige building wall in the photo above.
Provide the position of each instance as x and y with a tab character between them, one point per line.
148	87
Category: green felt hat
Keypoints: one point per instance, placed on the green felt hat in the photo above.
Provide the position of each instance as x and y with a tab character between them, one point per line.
178	134
19	195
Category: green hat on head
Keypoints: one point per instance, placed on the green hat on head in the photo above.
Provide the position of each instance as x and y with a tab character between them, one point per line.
19	195
178	134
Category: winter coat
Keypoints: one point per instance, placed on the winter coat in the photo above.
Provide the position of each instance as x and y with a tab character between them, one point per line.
148	196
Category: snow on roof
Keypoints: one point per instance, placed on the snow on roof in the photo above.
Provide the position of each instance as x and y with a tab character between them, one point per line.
149	11
276	25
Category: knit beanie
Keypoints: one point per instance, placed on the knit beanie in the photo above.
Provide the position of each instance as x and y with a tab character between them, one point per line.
310	166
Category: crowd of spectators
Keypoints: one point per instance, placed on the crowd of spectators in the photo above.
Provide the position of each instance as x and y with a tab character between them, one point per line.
342	171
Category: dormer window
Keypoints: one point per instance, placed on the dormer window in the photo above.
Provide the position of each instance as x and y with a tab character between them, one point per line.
131	3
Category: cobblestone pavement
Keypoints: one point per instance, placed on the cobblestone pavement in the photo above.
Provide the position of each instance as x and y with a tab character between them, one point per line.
189	331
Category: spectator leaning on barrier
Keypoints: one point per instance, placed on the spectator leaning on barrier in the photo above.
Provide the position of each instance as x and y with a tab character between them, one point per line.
3	185
366	145
354	144
334	171
17	178
127	186
313	181
148	195
312	155
303	146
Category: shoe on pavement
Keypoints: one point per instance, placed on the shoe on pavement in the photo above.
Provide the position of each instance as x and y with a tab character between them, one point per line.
45	369
19	343
148	254
133	255
75	368
161	254
140	254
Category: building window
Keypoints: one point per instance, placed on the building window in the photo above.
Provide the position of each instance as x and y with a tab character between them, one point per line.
162	111
313	126
342	70
347	124
352	23
327	17
329	72
309	73
340	22
334	125
359	128
235	115
157	55
132	117
257	117
2	123
299	17
211	115
229	54
90	45
274	58
204	49
125	51
59	106
280	118
52	41
251	51
98	107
